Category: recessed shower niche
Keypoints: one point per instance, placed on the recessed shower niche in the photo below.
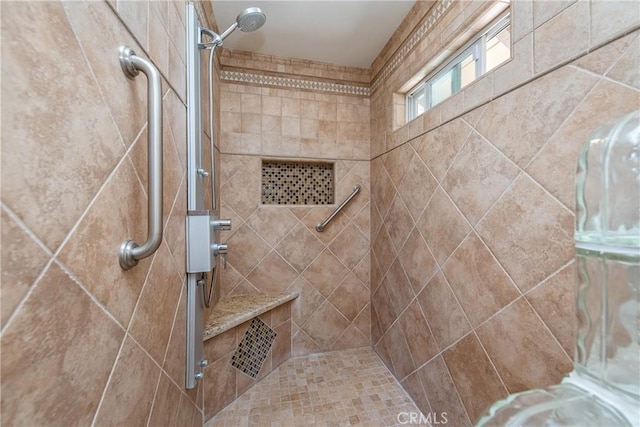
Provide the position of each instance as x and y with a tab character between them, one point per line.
297	183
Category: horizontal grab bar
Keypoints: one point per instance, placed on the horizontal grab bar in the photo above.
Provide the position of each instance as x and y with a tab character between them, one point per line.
130	251
320	227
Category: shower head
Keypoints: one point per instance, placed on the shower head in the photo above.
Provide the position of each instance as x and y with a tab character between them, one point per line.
251	19
248	20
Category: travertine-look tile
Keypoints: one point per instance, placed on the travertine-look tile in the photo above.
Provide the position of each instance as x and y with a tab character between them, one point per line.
350	297
417	186
326	325
241	192
395	162
515	338
439	147
153	318
538	239
609	18
22	261
417	261
446	318
513	129
65	175
131	389
40	349
542	11
325	273
272	275
307	302
299	247
600	60
92	250
136	15
480	284
477	382
478	177
420	340
555	301
397	284
413	386
626	69
442	226
519	69
399	223
382	309
350	246
272	223
175	358
607	101
442	393
100	33
396	343
250	249
219	386
572	27
165	409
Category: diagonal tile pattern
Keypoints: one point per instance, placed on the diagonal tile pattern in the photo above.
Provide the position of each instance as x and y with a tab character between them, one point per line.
105	339
277	248
472	238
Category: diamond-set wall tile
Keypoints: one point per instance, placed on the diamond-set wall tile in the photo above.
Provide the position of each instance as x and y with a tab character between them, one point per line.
277	249
299	247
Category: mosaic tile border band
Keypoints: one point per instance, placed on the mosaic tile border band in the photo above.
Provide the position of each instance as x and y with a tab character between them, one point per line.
434	14
286	82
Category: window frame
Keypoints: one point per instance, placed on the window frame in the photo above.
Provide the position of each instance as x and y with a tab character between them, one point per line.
477	47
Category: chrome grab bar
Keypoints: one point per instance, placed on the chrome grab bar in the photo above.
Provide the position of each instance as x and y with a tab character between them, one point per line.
130	251
320	227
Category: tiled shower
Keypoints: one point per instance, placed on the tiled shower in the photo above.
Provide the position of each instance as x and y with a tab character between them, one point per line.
454	263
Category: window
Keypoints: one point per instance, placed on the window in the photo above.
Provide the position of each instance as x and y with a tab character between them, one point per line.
490	48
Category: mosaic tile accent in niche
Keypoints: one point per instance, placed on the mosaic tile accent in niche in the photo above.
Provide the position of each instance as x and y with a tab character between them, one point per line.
254	347
297	183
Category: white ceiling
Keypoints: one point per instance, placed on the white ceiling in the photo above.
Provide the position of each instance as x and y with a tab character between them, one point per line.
340	32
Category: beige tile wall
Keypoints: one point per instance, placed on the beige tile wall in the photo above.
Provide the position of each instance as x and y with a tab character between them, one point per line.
276	248
472	218
583	26
82	339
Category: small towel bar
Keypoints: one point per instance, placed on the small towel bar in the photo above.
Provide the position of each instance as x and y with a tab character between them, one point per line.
320	227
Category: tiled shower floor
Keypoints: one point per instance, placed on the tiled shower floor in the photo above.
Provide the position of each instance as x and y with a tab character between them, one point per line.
340	388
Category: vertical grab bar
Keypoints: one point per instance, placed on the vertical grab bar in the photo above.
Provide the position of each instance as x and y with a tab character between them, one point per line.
130	251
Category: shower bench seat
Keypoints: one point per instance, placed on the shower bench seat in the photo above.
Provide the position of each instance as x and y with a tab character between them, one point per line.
232	311
245	338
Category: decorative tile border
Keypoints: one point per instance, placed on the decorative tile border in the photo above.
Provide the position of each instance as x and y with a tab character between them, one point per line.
286	82
238	76
434	14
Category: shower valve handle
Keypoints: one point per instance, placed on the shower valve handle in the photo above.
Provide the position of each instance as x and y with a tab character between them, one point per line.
221	224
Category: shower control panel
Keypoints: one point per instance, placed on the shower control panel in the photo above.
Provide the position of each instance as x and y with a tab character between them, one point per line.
203	240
